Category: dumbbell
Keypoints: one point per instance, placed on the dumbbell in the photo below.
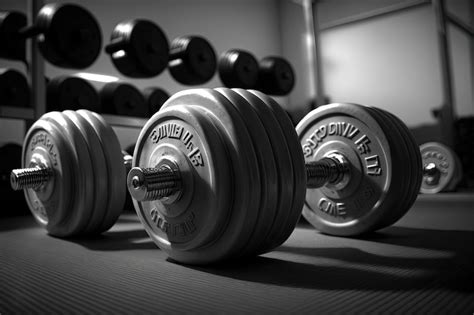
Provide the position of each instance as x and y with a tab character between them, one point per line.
155	97
139	48
220	174
71	92
70	36
238	68
14	89
73	173
122	98
442	168
275	76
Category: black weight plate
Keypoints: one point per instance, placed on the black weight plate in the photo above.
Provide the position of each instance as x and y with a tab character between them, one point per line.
155	97
275	76
260	194
14	89
414	159
192	60
139	48
120	98
298	184
277	171
13	46
398	144
238	69
71	36
67	92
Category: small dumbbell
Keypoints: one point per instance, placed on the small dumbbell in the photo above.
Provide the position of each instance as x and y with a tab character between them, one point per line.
72	173
442	168
138	48
220	174
275	76
14	89
155	97
70	35
238	69
122	98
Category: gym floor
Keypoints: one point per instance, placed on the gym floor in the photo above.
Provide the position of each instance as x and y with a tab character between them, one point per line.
422	264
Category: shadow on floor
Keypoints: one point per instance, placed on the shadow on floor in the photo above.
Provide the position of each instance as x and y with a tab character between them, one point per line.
356	269
117	240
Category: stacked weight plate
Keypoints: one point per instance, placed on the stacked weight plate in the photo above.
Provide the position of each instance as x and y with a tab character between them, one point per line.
384	168
85	192
242	173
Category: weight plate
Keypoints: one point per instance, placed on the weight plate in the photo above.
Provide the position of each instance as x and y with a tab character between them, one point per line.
155	97
120	98
189	228
71	36
458	174
115	170
98	182
277	171
414	160
259	193
80	211
403	162
13	45
46	143
232	129
14	89
192	60
369	195
67	92
275	76
139	48
442	158
296	163
238	69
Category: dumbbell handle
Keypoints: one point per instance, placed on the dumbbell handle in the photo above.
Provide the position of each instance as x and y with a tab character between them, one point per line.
146	184
35	177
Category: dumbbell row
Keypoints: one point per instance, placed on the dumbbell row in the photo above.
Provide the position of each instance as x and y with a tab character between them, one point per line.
233	178
138	48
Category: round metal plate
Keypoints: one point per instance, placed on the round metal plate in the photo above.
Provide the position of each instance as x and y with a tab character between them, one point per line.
98	182
192	60
13	46
359	207
120	98
402	164
189	228
79	213
443	158
144	48
296	163
276	171
115	170
71	36
155	98
66	92
232	130
276	76
14	88
238	69
260	196
46	142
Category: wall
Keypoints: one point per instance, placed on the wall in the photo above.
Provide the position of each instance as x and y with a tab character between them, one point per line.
392	61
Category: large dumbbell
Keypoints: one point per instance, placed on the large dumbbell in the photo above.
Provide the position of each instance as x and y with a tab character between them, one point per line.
220	174
238	69
70	35
442	168
275	76
14	89
73	173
